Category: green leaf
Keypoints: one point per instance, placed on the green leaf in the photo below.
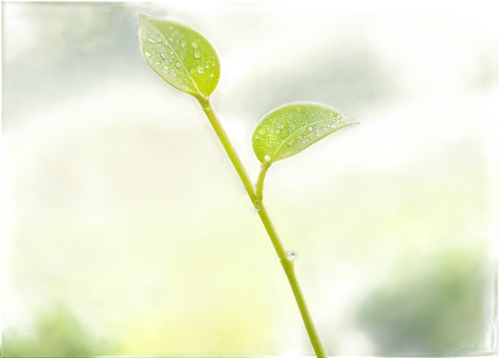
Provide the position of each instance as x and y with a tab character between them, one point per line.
287	130
182	56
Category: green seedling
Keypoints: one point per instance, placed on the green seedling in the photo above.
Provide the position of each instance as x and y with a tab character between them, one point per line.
186	60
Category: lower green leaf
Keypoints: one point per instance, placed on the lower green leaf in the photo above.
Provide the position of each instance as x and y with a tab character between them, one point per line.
289	129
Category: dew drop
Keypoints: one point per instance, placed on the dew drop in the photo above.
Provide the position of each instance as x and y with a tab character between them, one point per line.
151	40
197	54
267	158
211	76
147	54
195	45
165	68
310	129
290	255
174	74
178	65
201	69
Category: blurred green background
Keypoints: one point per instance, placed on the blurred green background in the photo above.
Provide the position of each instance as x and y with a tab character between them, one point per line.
125	230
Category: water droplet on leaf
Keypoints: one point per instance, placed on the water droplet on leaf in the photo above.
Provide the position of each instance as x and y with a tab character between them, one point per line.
290	255
195	45
197	54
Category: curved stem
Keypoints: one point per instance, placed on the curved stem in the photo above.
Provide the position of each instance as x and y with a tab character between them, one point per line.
255	195
259	187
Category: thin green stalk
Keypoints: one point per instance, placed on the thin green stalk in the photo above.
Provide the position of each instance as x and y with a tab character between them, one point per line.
257	200
259	186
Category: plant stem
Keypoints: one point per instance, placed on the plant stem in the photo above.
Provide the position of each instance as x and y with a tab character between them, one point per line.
256	198
259	186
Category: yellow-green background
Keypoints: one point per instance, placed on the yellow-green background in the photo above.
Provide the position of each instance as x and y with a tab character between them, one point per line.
124	227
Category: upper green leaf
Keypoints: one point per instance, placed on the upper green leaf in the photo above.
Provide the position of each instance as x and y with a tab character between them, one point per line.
287	130
182	56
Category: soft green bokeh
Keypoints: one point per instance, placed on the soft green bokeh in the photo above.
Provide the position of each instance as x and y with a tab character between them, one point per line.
124	228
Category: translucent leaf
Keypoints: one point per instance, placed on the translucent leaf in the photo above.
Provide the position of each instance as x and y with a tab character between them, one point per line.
182	56
287	130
